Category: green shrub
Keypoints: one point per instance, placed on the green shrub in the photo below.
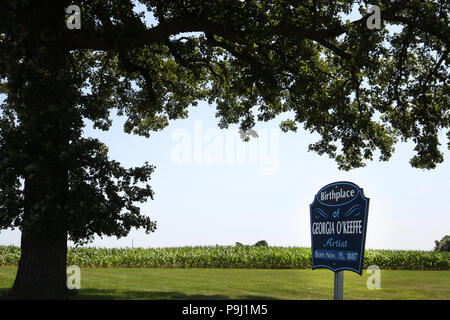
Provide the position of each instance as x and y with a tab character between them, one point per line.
443	245
261	243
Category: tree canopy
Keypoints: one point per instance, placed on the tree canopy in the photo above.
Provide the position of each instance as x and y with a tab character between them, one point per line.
360	89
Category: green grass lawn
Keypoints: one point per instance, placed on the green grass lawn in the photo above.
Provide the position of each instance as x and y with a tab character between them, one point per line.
165	283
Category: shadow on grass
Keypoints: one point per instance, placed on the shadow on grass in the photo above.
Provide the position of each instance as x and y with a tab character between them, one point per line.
4	293
97	294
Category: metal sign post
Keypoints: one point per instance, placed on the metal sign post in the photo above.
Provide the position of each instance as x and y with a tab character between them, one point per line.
339	285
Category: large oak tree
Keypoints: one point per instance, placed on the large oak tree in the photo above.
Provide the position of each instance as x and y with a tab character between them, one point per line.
360	89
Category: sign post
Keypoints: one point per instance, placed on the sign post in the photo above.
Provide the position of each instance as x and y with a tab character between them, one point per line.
339	285
338	230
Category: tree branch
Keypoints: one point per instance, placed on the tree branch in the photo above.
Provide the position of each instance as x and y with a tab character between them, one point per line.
114	39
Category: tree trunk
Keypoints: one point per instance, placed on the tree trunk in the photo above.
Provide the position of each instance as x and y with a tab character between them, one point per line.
42	267
49	121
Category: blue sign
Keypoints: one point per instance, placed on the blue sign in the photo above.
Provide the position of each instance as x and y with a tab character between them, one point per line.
338	227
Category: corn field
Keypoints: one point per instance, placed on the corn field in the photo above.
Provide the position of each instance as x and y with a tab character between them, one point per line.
231	257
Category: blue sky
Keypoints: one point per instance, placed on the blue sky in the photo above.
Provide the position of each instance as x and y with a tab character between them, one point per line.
208	203
201	202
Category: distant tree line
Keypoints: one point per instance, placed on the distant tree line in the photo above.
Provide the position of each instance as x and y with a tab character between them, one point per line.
443	245
260	243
